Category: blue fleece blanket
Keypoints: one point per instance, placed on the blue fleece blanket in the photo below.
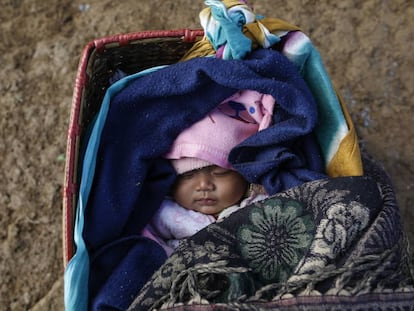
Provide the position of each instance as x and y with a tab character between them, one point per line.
130	178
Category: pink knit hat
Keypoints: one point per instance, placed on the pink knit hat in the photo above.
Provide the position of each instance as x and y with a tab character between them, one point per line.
210	140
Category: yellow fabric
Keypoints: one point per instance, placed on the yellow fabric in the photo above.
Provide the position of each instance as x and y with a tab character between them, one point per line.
201	48
347	160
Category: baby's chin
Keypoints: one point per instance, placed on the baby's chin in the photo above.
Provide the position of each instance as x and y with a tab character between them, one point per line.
212	210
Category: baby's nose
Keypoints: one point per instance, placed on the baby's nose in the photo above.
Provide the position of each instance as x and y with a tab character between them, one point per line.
205	181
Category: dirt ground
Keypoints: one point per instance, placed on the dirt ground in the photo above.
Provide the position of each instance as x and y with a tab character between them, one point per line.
366	46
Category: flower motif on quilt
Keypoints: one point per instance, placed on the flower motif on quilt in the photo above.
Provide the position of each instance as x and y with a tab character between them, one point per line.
340	227
276	238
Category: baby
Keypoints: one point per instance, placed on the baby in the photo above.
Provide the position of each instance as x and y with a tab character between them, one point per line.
207	187
209	190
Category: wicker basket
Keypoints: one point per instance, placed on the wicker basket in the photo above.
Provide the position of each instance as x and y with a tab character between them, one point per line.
130	53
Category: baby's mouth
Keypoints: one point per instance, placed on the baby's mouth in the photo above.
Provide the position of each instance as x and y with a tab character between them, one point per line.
206	201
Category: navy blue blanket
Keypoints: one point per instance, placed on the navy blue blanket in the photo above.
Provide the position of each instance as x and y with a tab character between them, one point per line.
131	178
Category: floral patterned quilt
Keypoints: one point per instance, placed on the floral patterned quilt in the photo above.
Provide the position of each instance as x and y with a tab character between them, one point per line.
333	244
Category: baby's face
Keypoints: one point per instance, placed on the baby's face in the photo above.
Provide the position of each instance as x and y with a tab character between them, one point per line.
209	190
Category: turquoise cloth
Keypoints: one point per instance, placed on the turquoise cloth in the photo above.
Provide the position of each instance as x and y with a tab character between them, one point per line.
77	271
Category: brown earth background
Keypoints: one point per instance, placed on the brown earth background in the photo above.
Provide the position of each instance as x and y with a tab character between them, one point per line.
366	45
